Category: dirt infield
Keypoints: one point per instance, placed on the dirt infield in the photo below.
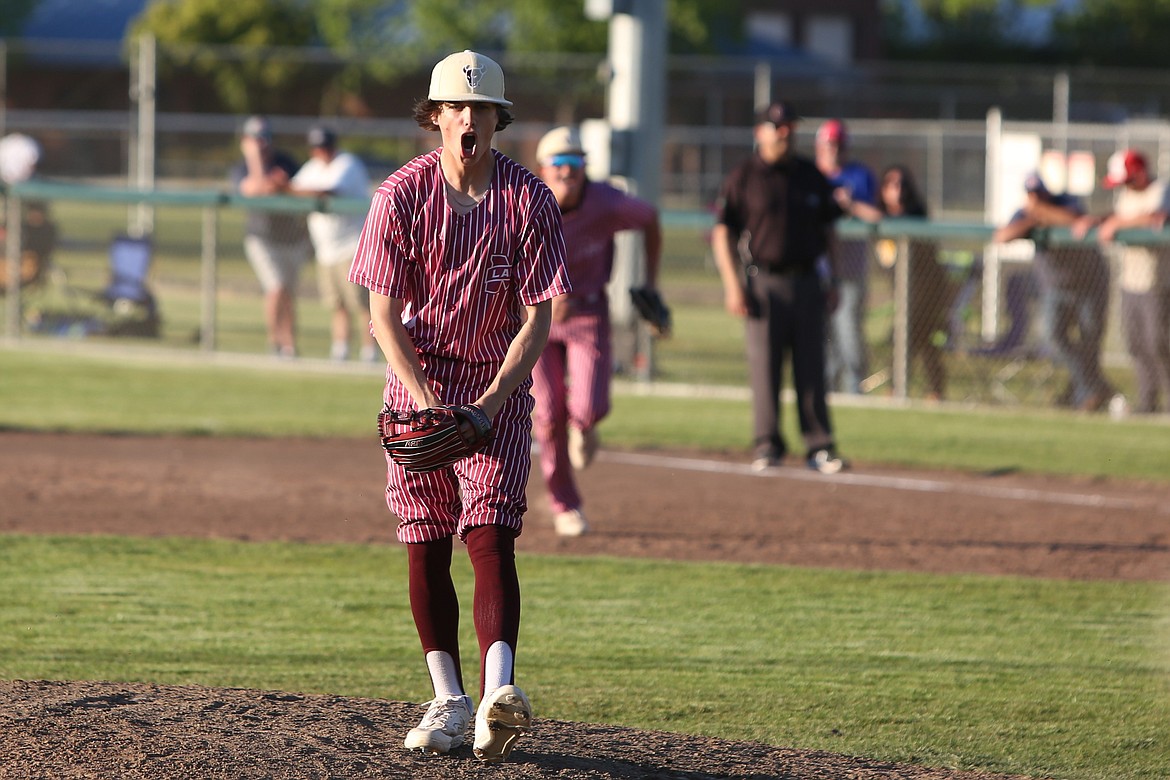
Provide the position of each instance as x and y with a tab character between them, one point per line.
661	505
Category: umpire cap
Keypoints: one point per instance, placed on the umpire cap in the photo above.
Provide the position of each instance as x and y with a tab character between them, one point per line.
779	112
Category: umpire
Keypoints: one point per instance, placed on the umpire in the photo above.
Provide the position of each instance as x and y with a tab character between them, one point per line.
774	245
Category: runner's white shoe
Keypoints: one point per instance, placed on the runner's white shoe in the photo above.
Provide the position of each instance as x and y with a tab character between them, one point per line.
571	523
442	729
502	717
582	447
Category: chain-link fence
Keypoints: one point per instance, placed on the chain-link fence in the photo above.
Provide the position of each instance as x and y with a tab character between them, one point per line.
936	320
940	324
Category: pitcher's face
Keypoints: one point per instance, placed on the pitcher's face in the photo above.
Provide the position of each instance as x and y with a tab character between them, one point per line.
468	129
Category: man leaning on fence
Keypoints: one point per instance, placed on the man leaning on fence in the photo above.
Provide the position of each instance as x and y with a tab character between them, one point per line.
276	244
332	172
1142	202
1074	291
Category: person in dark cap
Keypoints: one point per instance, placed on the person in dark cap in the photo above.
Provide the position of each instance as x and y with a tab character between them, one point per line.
775	246
1074	292
275	243
334	173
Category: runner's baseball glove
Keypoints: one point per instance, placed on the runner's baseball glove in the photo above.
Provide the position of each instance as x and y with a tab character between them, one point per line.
434	438
651	308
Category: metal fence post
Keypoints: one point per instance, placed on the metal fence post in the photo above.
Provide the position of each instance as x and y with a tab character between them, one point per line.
901	356
208	260
12	250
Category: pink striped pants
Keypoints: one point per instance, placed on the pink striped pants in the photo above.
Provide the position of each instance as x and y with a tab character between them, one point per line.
571	386
488	488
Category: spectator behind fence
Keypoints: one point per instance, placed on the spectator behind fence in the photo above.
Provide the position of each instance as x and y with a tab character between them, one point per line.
19	157
1074	292
778	271
276	244
929	291
1144	273
855	190
332	172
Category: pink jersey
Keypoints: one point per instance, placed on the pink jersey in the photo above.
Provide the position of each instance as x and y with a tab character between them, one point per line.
463	277
589	230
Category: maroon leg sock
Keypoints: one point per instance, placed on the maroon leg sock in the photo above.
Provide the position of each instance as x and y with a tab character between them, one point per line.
492	549
433	601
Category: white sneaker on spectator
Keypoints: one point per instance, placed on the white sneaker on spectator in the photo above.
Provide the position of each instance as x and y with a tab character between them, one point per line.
503	716
582	447
443	727
571	523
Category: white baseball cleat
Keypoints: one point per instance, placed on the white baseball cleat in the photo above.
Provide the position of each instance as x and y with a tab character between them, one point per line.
503	716
443	727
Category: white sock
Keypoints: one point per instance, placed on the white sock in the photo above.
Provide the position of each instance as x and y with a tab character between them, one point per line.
497	668
339	351
443	677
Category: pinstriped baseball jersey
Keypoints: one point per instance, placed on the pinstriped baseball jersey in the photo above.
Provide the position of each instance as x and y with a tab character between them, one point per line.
464	277
590	228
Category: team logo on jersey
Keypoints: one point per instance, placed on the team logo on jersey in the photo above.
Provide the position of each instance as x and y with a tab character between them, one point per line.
498	273
474	74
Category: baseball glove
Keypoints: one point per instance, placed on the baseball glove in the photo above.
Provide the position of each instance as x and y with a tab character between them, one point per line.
434	438
651	308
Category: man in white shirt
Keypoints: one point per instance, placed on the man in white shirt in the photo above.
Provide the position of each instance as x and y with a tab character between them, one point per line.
1142	202
330	172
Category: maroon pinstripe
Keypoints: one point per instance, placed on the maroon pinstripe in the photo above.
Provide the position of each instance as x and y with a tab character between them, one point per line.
464	280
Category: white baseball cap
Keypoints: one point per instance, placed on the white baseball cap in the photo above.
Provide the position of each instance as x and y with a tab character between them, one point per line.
468	77
559	140
19	156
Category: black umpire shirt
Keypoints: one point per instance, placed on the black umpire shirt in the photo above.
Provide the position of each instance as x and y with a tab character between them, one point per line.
786	209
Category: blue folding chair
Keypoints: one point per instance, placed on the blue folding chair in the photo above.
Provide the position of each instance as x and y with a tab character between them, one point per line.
129	264
127	292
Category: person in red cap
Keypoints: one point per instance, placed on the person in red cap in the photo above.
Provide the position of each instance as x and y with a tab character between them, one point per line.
1142	202
855	189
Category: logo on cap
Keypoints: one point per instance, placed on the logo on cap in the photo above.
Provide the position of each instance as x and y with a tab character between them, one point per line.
474	74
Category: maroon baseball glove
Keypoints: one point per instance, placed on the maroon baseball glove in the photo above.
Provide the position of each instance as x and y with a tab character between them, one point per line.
433	438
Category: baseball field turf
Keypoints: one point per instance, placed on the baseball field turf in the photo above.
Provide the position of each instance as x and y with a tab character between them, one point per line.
1043	677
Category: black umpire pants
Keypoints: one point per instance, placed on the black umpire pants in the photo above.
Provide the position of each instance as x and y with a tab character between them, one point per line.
788	319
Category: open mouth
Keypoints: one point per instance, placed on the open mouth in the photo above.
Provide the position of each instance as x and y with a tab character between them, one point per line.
467	142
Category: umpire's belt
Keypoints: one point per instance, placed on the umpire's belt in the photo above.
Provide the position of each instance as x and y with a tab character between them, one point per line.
774	270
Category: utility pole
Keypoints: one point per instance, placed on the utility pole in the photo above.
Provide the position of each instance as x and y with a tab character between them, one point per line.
636	103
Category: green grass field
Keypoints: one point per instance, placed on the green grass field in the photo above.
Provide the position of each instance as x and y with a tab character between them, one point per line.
1043	678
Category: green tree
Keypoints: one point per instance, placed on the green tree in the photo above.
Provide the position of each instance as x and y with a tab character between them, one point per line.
1116	33
206	26
539	27
16	13
543	26
975	28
